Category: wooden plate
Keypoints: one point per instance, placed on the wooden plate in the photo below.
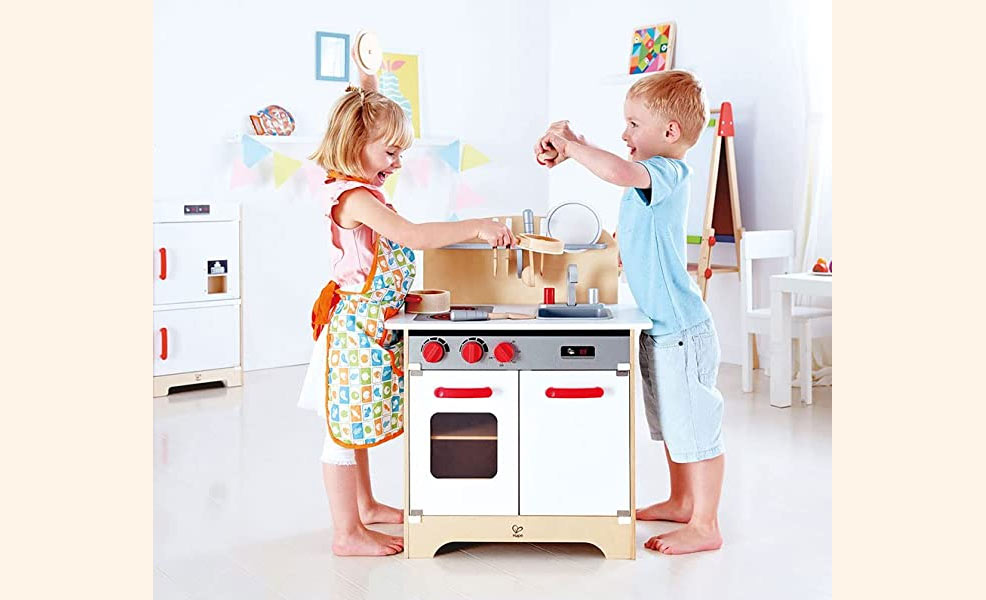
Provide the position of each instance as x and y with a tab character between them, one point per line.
540	243
369	56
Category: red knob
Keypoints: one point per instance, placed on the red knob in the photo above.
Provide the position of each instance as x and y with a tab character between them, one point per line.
504	352
708	273
712	240
472	352
433	352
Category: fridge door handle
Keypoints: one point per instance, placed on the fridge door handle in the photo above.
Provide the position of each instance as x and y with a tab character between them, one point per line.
163	274
590	392
480	392
164	343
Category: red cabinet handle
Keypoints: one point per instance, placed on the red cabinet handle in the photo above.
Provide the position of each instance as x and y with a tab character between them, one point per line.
593	392
444	392
164	343
164	264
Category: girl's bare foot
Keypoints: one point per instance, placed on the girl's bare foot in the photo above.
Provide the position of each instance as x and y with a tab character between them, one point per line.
363	542
688	539
380	513
669	510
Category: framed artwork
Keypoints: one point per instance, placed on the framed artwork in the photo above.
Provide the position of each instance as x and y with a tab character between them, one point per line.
652	49
399	82
331	56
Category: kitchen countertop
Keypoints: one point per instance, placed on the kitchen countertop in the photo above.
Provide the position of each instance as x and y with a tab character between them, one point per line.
625	316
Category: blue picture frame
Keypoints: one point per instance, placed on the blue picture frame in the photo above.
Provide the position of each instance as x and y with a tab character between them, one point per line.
344	59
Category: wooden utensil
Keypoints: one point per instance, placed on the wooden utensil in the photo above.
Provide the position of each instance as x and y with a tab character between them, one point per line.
482	315
427	302
494	253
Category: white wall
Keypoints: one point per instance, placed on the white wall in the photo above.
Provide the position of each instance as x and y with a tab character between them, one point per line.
483	80
493	75
749	53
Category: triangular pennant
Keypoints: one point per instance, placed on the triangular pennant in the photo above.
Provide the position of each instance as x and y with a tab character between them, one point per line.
465	197
241	175
253	151
390	186
420	171
450	154
315	176
472	157
284	167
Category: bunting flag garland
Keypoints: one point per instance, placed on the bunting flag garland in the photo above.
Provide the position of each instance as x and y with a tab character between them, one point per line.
471	157
253	151
419	169
390	185
458	155
450	154
284	167
465	197
242	175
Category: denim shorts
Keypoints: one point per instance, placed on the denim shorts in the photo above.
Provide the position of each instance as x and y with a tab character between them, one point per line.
684	408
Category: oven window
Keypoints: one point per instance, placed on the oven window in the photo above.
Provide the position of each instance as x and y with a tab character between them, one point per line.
463	445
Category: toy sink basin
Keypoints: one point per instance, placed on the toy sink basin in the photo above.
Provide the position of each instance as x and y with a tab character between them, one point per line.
579	311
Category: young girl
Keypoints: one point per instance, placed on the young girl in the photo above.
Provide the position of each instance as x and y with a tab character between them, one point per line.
355	379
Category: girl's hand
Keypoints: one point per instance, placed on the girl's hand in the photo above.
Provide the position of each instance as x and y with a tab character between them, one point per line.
493	233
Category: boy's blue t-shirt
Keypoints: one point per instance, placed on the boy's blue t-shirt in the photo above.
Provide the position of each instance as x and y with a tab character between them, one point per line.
651	235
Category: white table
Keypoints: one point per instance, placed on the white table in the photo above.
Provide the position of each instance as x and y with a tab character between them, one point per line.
781	288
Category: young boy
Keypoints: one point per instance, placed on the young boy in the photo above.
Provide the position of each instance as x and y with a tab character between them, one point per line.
679	356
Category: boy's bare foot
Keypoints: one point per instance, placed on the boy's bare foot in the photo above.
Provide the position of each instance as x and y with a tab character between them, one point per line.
688	539
363	542
669	510
380	513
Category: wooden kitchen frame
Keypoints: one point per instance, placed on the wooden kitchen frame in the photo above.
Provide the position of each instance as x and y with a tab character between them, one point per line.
615	537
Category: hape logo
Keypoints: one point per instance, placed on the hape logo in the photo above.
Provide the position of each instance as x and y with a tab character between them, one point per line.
518	531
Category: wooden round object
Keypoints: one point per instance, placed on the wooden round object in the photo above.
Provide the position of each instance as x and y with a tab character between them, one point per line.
427	302
369	55
548	155
541	243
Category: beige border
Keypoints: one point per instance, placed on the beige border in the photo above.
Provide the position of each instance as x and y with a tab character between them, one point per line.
75	241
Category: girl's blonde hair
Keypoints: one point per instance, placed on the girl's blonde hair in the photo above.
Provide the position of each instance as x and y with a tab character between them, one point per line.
358	118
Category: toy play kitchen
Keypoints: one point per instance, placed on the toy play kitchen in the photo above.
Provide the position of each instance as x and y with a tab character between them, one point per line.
519	422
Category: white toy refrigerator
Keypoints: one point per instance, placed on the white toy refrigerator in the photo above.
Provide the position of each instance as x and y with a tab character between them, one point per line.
196	278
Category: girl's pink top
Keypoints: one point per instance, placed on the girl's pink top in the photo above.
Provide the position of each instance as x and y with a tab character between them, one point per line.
351	252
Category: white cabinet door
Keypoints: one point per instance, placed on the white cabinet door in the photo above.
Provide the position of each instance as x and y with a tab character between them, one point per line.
196	339
463	442
574	443
186	253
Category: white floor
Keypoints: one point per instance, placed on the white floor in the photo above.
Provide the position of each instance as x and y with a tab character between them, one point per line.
239	511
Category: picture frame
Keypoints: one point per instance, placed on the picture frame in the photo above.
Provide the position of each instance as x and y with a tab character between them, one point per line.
331	56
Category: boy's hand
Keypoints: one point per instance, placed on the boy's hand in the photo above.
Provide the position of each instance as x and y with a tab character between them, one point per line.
561	145
544	144
494	233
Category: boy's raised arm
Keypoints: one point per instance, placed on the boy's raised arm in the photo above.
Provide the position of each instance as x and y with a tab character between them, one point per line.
603	164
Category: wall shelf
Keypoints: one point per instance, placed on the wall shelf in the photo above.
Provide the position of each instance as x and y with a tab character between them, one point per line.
480	246
316	140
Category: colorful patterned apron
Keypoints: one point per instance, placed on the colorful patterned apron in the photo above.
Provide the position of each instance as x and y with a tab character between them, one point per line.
364	379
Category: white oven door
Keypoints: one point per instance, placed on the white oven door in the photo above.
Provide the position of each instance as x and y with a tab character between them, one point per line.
574	443
462	440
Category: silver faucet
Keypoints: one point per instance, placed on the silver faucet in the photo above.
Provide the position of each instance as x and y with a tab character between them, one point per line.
573	278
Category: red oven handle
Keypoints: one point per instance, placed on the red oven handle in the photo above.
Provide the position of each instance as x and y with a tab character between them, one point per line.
444	392
593	392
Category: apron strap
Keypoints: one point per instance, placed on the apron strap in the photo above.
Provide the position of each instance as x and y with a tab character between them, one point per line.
323	308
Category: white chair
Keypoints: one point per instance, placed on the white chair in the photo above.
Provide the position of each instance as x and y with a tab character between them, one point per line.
807	321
